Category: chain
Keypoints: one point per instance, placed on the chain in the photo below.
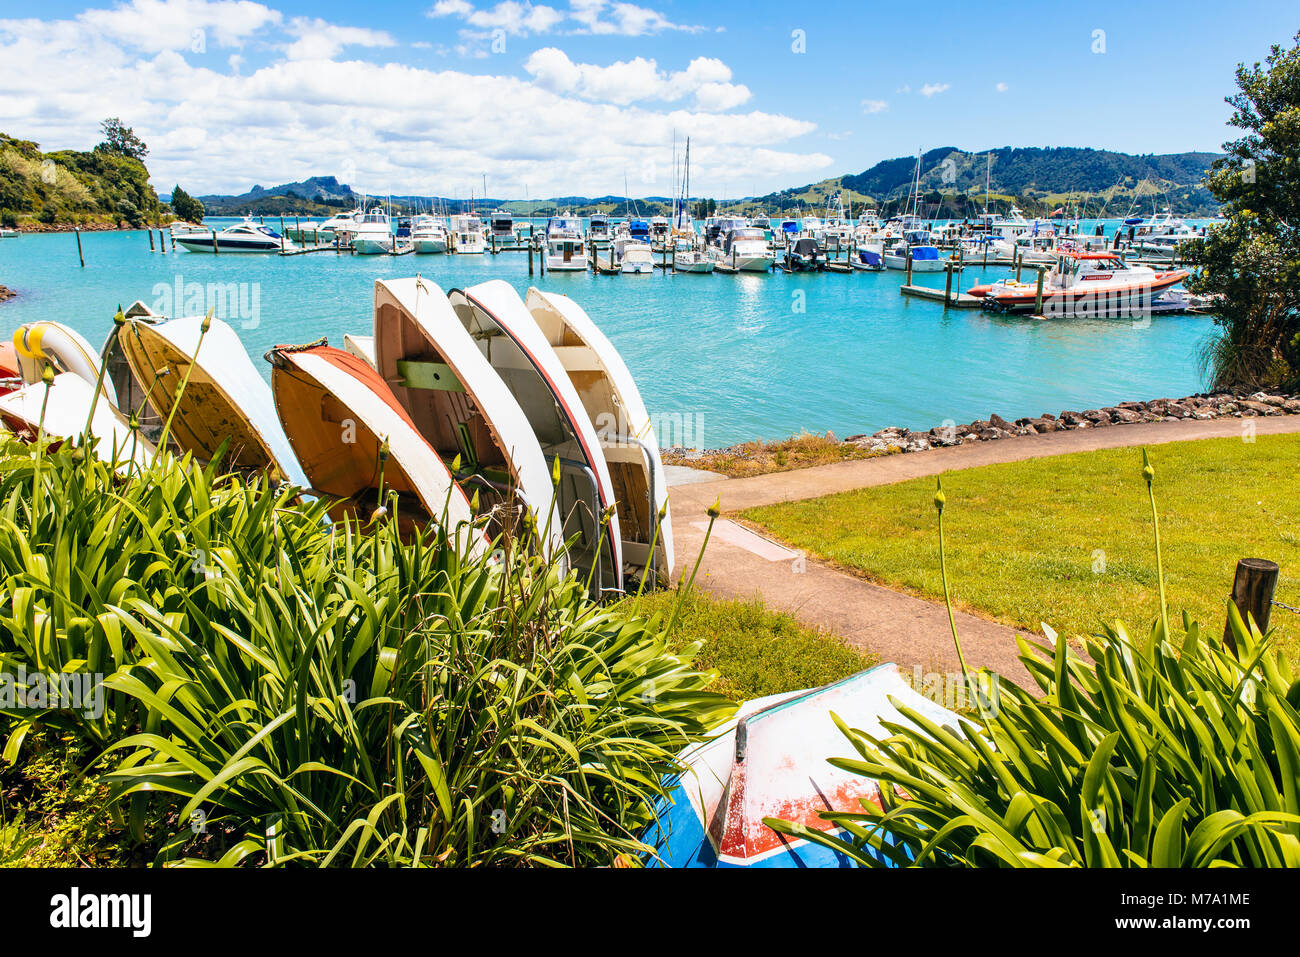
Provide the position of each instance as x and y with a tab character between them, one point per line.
1290	608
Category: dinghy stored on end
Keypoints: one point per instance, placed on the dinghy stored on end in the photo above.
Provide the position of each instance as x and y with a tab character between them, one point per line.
225	397
338	412
771	761
458	403
506	334
627	438
63	415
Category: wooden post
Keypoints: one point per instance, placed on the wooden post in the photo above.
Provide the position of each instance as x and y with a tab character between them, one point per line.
908	264
1038	296
947	286
281	235
162	242
150	232
530	259
79	255
986	252
1252	593
1019	262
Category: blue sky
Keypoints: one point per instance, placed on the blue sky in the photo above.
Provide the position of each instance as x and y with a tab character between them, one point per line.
572	96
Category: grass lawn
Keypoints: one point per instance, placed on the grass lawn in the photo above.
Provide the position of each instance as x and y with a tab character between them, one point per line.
1067	540
756	651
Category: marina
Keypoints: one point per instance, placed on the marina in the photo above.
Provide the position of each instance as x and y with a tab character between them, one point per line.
765	328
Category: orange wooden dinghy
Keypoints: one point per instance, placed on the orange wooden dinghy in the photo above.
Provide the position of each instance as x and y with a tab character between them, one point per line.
337	411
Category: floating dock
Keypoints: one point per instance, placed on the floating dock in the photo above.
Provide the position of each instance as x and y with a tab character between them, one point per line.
954	300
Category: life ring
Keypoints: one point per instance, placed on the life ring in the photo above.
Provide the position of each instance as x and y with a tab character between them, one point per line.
38	343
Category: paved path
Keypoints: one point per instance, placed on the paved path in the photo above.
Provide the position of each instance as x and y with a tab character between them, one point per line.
906	630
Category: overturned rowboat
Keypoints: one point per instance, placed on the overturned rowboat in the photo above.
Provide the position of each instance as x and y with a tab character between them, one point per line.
771	762
225	399
61	410
459	404
357	444
507	335
627	438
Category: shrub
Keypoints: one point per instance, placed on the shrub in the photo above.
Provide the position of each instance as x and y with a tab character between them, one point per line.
331	694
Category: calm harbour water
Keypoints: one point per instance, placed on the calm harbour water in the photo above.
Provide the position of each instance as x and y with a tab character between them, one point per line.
737	357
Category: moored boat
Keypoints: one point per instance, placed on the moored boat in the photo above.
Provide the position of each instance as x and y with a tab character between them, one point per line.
243	237
565	249
1084	285
428	234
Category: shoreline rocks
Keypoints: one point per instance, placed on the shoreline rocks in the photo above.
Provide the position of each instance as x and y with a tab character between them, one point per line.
6	293
30	227
1203	406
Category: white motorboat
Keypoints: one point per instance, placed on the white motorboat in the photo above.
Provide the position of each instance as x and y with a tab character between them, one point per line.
428	234
916	242
633	249
501	227
244	237
321	233
598	232
660	229
467	235
1156	238
565	247
737	245
1084	285
371	233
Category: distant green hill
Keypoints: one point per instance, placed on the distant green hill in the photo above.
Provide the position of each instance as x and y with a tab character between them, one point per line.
1037	178
69	188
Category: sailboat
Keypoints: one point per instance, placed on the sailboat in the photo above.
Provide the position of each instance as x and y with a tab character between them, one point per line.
915	245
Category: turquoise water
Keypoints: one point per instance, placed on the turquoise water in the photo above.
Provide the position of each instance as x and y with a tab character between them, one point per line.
719	358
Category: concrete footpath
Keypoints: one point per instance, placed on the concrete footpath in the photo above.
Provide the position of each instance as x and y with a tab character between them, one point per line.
900	628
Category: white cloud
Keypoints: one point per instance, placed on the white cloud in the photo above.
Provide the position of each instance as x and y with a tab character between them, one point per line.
930	89
1001	88
320	40
565	128
874	106
630	81
447	8
904	89
521	17
156	25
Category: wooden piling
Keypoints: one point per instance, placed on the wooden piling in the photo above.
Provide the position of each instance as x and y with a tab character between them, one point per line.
1038	296
908	265
1252	593
947	285
150	232
79	254
530	259
162	242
